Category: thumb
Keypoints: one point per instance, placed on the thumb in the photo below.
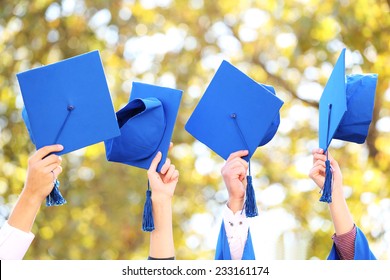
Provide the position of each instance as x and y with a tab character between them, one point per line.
155	162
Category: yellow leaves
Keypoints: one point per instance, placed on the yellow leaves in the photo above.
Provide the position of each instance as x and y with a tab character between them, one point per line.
75	25
46	232
3	186
326	29
145	16
94	151
39	4
54	55
105	200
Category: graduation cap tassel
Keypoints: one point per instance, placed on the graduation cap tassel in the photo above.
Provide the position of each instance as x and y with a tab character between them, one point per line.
55	197
327	188
147	219
250	199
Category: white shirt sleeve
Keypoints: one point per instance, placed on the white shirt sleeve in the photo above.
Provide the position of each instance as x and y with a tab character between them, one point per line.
236	227
14	242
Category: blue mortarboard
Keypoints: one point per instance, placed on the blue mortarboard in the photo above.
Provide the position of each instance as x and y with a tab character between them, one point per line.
146	124
236	113
360	106
345	110
68	103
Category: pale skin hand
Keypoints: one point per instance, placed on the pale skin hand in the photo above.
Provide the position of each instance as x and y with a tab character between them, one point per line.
163	186
234	175
342	219
41	173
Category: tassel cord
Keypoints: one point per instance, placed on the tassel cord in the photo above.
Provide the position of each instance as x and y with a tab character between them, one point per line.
327	188
55	197
250	205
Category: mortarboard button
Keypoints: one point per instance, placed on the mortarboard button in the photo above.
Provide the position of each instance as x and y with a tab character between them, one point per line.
68	103
236	113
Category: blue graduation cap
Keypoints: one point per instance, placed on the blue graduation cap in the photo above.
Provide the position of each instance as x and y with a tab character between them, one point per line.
236	113
345	112
146	124
68	103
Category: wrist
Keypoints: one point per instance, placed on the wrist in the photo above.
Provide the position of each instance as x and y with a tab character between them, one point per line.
235	204
337	193
31	198
161	201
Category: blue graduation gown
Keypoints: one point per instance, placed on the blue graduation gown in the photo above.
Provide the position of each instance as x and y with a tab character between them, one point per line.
222	252
362	249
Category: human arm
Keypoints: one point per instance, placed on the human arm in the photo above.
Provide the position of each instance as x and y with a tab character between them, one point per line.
341	217
15	235
163	186
235	222
41	173
345	230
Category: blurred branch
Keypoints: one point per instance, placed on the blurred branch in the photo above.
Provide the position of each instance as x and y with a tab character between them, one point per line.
274	78
282	83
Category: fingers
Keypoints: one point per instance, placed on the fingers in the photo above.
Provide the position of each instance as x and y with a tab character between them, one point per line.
237	154
170	146
318	169
317	151
169	175
333	162
233	166
235	169
42	152
57	171
240	171
155	162
166	166
175	175
319	163
52	159
318	155
51	167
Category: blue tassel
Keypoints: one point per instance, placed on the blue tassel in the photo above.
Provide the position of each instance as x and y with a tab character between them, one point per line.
55	198
250	200
147	221
327	189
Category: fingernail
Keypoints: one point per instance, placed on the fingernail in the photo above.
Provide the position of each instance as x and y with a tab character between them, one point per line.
60	158
59	146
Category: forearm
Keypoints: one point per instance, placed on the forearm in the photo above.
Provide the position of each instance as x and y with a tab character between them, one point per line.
161	238
342	218
24	213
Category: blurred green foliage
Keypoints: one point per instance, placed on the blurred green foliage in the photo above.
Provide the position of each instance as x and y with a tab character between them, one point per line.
292	45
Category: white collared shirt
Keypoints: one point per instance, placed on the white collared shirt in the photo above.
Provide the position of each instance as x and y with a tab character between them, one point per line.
236	227
14	242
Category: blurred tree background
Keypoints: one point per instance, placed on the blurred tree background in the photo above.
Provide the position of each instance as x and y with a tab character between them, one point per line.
291	45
